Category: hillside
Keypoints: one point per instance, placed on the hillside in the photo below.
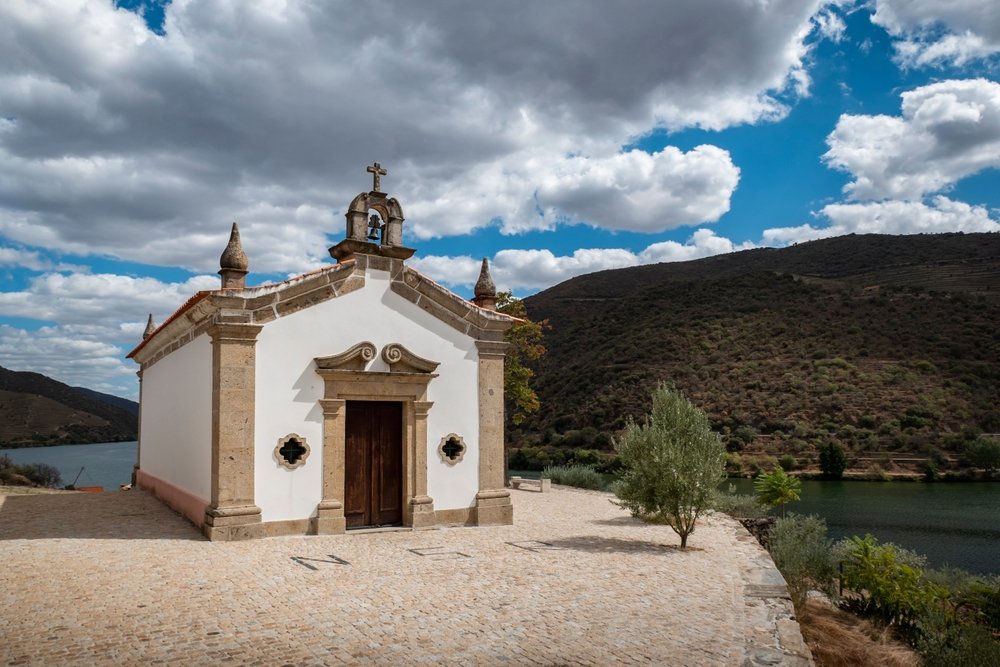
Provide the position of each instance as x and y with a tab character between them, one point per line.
880	343
37	410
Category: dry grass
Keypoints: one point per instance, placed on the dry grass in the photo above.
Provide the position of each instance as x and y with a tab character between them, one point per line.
839	639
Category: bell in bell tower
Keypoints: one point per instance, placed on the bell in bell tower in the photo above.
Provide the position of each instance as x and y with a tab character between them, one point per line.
374	224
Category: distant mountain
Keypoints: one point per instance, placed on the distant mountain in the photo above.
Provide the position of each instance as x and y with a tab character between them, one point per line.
37	410
125	404
880	343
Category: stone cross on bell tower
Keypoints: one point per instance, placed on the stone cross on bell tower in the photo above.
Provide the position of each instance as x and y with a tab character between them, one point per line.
366	235
376	171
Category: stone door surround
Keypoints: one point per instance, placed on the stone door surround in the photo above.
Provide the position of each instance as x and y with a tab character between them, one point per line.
345	379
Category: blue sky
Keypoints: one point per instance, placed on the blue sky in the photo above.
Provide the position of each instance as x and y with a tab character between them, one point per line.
555	138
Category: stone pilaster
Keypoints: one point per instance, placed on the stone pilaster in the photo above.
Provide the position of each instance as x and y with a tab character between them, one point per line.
493	500
421	505
330	511
232	514
138	434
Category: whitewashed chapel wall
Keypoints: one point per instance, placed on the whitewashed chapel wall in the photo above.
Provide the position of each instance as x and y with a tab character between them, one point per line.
176	437
288	392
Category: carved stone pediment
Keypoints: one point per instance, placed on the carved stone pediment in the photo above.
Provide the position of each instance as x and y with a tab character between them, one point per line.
402	360
352	359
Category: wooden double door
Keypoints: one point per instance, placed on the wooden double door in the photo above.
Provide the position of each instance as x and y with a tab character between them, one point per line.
373	465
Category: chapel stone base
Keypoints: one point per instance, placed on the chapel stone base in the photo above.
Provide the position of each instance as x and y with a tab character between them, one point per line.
330	518
421	513
230	524
493	508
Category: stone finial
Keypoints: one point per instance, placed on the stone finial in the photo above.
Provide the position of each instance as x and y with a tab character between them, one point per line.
233	264
150	327
485	290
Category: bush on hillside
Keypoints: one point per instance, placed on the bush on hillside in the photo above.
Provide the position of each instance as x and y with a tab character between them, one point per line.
984	454
832	460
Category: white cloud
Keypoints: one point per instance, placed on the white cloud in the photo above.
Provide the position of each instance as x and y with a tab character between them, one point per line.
890	217
830	25
631	190
100	301
947	131
68	355
932	32
532	270
116	141
98	317
33	261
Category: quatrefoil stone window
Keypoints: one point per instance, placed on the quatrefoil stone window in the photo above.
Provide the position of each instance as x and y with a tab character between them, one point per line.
452	449
291	451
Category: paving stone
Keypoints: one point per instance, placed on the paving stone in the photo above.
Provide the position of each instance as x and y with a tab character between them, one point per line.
120	579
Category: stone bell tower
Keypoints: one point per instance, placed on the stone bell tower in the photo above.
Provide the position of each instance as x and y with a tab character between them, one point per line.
378	233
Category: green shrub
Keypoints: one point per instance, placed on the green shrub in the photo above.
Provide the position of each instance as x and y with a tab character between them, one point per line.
586	457
887	581
944	642
788	462
832	460
611	465
983	453
744	433
738	505
802	552
580	476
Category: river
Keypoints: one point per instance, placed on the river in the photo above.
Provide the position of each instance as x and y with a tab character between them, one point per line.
952	524
105	464
956	524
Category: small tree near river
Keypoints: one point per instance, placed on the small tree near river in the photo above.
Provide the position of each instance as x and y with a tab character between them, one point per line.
673	463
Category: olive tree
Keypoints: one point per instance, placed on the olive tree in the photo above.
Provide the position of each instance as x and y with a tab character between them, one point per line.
673	463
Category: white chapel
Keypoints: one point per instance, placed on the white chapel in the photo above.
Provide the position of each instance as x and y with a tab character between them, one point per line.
361	394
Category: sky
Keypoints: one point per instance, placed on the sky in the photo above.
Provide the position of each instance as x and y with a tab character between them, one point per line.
555	138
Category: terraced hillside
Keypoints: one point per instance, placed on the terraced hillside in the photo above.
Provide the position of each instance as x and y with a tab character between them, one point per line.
37	410
884	344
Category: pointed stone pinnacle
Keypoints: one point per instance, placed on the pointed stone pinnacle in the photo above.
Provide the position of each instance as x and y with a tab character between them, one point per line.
233	256
150	327
484	286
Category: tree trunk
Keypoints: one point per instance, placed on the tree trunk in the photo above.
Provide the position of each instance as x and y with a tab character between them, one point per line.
684	541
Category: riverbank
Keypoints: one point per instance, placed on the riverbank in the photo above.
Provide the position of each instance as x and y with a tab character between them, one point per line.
960	477
6	490
31	444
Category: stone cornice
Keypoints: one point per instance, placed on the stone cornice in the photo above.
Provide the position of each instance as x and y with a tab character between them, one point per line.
401	359
354	358
488	348
453	310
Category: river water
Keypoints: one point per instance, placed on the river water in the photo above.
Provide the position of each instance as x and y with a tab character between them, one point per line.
951	524
106	464
956	524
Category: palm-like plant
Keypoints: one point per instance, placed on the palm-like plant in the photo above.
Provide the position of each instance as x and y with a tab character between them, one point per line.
777	488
